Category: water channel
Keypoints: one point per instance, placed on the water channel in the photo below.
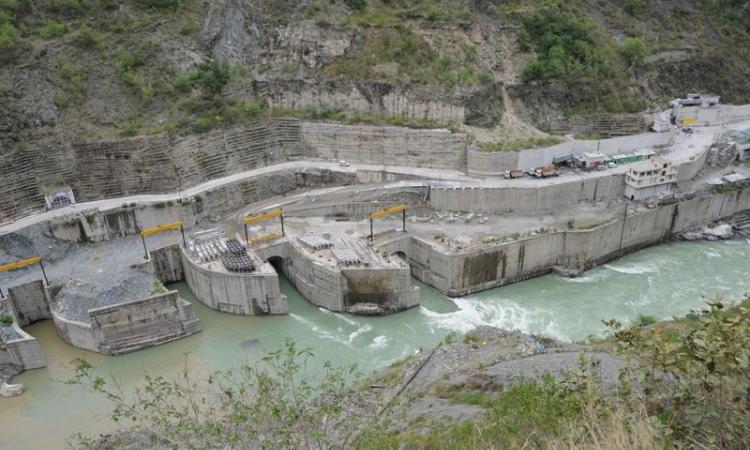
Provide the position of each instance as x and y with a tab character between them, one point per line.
663	281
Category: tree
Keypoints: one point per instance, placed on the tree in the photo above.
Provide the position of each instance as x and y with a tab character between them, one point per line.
634	50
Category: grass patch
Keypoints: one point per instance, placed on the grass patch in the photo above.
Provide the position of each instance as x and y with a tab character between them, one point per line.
520	144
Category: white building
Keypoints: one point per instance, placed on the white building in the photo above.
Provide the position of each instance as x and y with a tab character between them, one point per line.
649	178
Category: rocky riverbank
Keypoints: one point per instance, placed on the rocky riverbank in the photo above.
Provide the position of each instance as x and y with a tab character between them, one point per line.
738	226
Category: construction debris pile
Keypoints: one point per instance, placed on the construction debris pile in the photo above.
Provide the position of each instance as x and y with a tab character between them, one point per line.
77	297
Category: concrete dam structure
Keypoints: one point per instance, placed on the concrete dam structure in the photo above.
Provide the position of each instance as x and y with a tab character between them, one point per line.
467	229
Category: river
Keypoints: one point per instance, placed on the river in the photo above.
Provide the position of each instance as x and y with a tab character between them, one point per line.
662	281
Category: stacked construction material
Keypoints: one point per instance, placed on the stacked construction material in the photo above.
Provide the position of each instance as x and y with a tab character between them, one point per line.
208	245
236	259
346	256
315	241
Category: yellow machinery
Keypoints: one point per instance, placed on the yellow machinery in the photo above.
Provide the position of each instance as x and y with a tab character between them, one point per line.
268	215
24	263
146	232
400	208
261	239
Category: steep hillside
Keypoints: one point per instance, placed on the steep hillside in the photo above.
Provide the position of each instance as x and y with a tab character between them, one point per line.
93	69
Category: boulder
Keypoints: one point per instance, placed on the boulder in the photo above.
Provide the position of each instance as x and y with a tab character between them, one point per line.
10	390
721	231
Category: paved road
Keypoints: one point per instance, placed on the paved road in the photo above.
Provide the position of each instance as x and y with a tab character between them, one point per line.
682	149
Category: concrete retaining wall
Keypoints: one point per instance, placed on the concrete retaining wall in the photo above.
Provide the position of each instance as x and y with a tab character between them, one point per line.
461	273
395	146
384	286
495	163
166	264
78	334
317	282
24	352
129	326
550	197
337	289
162	164
29	302
236	293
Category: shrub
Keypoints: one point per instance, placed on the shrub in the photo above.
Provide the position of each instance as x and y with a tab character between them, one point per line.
125	63
644	320
10	43
634	51
158	288
212	76
87	38
356	5
54	29
697	383
633	6
110	5
60	100
66	7
253	109
190	27
272	403
5	319
161	4
130	129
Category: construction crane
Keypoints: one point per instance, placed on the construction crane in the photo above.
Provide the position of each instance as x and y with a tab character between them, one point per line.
400	208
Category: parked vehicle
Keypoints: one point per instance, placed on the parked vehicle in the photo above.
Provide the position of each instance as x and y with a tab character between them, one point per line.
510	174
546	172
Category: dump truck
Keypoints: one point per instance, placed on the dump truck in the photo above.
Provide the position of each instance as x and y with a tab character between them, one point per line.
510	174
546	172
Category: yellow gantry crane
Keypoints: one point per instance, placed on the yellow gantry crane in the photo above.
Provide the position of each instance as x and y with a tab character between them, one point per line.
23	263
268	215
400	208
146	232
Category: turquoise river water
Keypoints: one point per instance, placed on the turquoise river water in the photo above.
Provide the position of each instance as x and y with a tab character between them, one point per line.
663	281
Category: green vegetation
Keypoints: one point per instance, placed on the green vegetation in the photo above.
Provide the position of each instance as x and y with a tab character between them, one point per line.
520	144
88	39
54	29
644	320
400	53
158	288
391	13
634	50
10	42
566	47
5	319
130	129
573	49
695	374
271	404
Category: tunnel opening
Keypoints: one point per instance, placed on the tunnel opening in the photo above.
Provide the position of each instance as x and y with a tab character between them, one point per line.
278	264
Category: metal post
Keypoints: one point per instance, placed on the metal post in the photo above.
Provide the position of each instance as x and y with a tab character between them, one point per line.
184	243
404	219
1	294
247	239
371	235
43	273
282	224
145	250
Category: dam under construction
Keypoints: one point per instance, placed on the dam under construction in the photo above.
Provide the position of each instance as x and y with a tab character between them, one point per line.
315	230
